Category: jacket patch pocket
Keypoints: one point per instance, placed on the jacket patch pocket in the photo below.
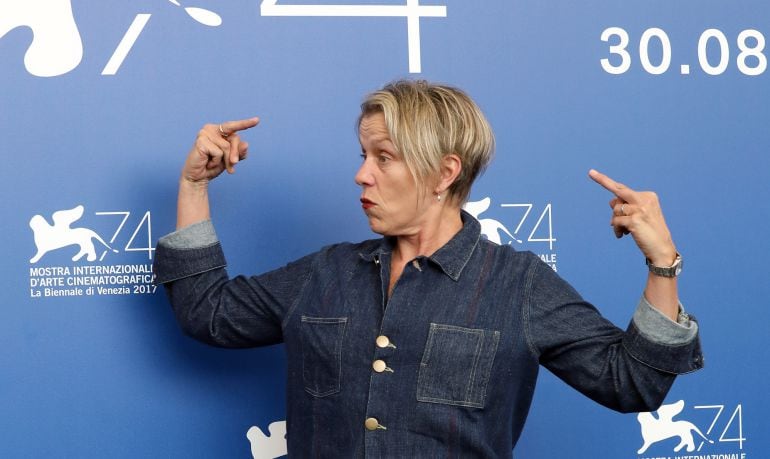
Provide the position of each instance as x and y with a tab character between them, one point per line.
456	364
322	354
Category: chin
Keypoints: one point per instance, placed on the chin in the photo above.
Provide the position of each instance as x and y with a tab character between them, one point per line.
377	226
377	229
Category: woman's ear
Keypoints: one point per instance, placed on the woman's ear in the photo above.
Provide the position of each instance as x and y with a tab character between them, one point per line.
451	166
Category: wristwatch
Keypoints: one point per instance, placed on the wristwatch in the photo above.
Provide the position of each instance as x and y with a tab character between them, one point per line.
669	271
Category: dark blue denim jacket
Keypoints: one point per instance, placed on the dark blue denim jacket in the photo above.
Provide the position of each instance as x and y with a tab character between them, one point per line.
444	367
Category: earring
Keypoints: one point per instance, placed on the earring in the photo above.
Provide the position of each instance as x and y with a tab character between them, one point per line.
438	197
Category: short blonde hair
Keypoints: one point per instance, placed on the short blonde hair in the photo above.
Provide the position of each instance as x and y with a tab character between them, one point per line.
427	122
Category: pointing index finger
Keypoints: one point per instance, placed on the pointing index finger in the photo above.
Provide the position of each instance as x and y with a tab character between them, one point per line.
618	189
230	127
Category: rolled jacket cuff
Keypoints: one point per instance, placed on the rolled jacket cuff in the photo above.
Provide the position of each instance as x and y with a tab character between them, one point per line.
172	264
197	235
679	358
659	328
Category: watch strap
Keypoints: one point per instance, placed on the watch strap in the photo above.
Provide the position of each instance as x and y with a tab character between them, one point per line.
667	271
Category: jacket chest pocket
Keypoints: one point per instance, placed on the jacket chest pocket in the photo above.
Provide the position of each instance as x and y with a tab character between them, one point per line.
456	365
322	354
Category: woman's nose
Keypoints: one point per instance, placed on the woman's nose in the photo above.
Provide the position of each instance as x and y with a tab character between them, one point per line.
363	176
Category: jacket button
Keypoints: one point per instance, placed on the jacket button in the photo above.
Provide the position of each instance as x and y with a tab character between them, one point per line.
373	424
379	366
382	341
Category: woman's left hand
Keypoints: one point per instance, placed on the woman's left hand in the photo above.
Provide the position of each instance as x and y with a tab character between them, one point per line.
638	213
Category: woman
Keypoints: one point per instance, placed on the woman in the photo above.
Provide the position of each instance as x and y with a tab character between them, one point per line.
427	341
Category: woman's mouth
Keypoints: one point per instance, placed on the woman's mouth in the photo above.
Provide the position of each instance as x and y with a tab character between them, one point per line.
367	204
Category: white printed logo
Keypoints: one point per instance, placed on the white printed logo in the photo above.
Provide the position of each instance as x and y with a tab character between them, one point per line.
60	235
519	217
201	15
57	47
124	277
264	447
687	435
664	427
490	228
412	11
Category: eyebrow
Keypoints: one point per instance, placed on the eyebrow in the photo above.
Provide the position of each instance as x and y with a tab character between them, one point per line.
379	140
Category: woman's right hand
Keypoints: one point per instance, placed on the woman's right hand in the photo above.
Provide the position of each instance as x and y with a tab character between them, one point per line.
217	148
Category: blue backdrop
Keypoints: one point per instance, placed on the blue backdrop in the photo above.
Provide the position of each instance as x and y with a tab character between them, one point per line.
100	102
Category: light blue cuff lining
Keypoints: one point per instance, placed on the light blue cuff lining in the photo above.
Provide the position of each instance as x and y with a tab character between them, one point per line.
655	326
194	236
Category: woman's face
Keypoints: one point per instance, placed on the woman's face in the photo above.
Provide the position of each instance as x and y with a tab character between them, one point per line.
389	196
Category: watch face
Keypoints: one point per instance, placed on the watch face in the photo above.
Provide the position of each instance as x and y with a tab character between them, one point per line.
678	267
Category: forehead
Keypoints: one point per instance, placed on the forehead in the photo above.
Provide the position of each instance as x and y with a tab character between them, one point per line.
373	127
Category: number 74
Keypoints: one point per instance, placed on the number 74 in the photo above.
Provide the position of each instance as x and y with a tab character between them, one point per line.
145	222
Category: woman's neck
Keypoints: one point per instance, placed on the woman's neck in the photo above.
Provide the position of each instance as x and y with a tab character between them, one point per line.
430	236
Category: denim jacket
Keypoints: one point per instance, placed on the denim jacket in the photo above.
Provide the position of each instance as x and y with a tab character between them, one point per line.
445	366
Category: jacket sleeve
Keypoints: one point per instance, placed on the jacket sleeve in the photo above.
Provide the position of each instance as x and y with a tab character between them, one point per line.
211	307
628	371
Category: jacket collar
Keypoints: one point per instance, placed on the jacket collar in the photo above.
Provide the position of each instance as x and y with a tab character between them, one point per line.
451	257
